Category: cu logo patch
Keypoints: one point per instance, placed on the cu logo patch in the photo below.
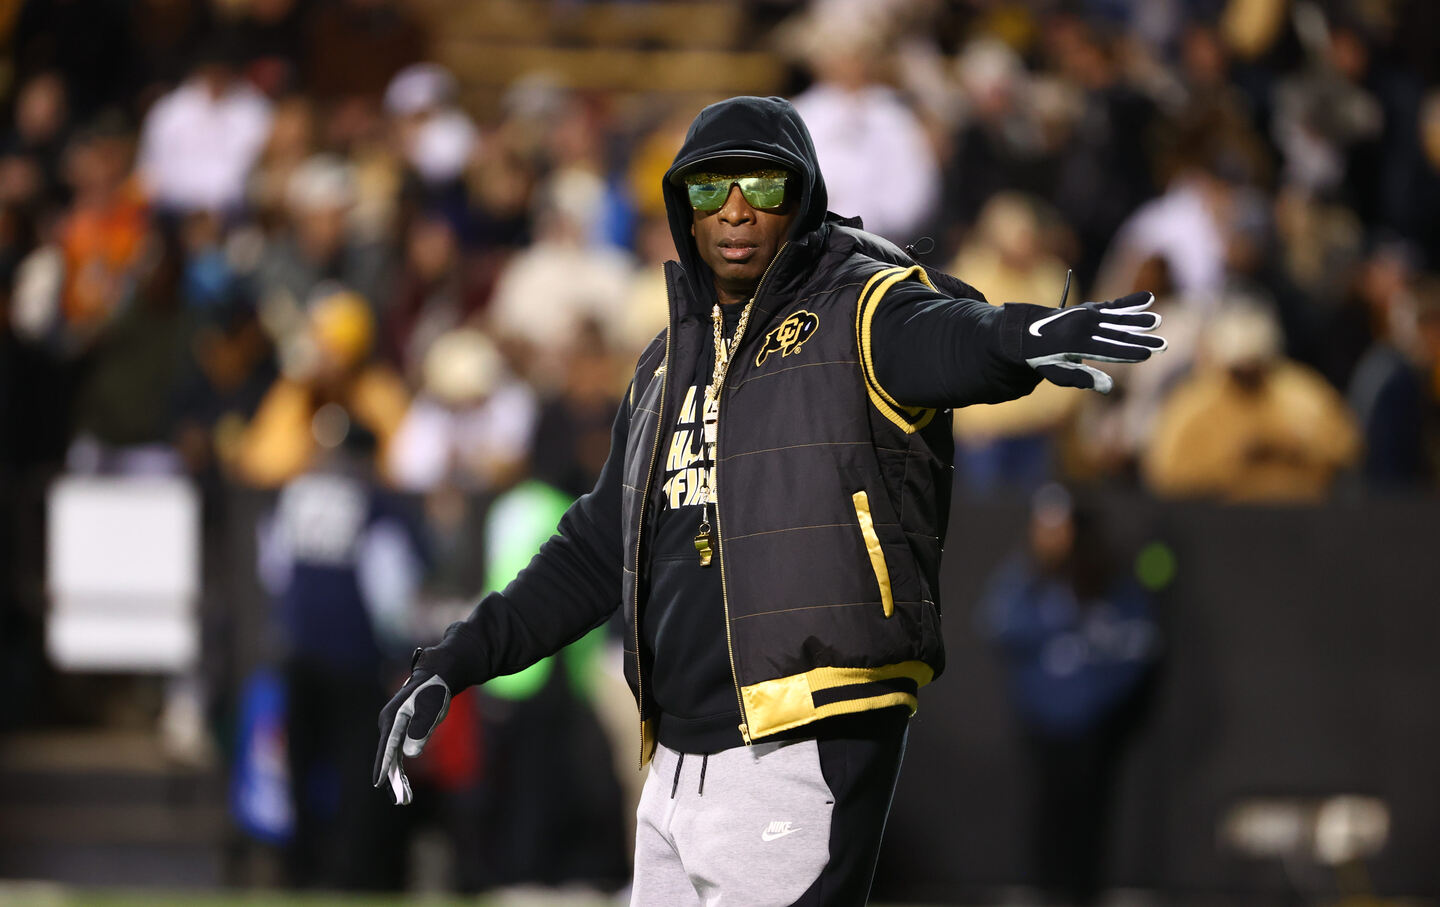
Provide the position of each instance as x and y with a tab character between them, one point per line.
789	336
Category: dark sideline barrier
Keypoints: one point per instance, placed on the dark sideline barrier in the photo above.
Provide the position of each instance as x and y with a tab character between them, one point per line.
1301	662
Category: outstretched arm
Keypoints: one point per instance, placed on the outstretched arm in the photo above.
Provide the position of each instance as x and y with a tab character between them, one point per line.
926	349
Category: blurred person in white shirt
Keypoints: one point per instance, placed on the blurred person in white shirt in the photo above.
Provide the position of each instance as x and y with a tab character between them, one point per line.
470	427
1186	227
199	142
858	123
435	136
549	290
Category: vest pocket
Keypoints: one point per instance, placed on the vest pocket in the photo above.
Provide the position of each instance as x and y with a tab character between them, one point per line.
872	547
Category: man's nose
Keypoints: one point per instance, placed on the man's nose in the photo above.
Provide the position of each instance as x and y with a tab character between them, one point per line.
736	210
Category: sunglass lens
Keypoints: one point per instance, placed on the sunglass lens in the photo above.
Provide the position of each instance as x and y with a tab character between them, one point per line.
708	196
763	191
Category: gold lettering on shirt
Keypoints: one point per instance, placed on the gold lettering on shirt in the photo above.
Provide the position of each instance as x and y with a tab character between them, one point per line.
687	411
680	455
685	471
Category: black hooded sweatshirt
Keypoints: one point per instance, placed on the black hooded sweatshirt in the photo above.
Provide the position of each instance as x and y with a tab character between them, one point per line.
929	350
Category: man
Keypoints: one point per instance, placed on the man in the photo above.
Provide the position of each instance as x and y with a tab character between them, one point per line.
770	521
1078	641
1247	423
200	140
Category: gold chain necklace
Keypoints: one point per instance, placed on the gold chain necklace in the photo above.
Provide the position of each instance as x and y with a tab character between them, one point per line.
711	419
723	352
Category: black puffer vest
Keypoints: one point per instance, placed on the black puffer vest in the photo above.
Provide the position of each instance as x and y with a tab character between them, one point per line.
832	498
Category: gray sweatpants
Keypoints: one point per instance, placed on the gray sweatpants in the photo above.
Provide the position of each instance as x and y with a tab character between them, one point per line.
758	833
768	824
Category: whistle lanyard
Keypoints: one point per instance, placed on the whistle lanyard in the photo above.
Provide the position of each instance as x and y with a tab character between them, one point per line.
724	352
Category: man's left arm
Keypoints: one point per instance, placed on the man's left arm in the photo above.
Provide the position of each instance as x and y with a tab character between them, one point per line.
925	349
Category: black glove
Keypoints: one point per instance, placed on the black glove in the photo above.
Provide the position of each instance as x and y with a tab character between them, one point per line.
1056	340
406	724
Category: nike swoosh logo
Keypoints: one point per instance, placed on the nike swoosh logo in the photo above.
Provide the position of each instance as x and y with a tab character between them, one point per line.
1036	326
770	835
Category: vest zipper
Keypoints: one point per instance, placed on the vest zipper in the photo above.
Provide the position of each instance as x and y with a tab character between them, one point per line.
640	527
719	533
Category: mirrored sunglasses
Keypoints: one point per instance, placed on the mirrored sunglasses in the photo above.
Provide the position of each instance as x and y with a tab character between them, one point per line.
763	189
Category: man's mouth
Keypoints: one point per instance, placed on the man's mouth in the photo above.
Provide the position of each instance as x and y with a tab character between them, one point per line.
736	250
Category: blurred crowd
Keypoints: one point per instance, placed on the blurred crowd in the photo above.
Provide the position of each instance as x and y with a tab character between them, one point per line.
246	240
217	220
217	217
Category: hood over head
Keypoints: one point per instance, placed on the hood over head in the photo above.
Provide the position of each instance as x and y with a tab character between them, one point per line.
769	129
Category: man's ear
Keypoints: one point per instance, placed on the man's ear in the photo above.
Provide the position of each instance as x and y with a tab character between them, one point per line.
692	228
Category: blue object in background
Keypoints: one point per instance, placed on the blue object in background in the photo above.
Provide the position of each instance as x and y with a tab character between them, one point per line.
260	785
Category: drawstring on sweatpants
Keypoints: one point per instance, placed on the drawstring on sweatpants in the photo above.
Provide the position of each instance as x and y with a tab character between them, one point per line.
675	785
679	764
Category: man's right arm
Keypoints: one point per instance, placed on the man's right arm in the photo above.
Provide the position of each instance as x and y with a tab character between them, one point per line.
571	586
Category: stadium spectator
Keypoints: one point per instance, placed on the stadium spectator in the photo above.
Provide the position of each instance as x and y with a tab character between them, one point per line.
470	428
229	369
328	364
436	137
129	370
999	143
577	279
1393	391
1211	110
440	289
101	238
733	220
646	302
1188	226
573	151
141	333
32	149
650	157
199	141
1249	424
32	390
1102	172
1011	444
319	246
290	144
572	436
1423	230
856	120
500	188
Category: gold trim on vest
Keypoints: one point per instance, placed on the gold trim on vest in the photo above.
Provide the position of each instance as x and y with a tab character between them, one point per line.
907	418
872	548
778	705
